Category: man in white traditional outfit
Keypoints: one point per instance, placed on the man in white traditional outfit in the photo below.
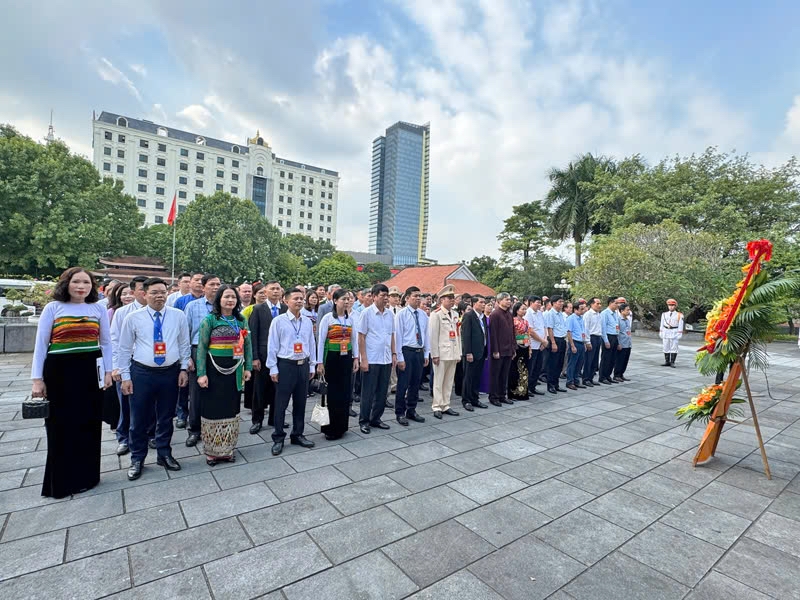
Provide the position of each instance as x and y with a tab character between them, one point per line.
670	332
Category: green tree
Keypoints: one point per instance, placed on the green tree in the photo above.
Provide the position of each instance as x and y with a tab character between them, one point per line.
377	272
311	251
55	211
227	236
481	266
570	198
540	276
290	269
340	269
524	233
155	241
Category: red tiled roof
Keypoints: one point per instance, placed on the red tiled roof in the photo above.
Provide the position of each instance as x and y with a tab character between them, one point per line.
433	278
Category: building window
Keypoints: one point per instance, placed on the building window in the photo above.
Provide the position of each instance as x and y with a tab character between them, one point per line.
280	210
163	133
201	156
260	171
329	218
159	191
311	204
303	178
106	166
181	208
302	202
289	199
234	189
220	160
235	163
308	227
329	229
199	169
219	187
144	144
290	186
107	150
321	228
184	152
310	216
310	192
162	147
302	190
322	217
108	135
288	224
142	172
330	184
280	198
120	153
159	206
291	175
281	186
141	202
122	122
142	188
289	211
220	173
330	196
120	169
121	138
161	162
184	166
283	173
328	240
236	150
183	180
198	183
159	220
182	195
280	222
161	176
310	180
234	177
302	214
143	158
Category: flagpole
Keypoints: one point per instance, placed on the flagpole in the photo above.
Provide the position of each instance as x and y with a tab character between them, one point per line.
173	216
174	229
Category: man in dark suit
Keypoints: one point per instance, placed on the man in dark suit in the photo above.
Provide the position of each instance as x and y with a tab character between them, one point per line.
473	348
260	320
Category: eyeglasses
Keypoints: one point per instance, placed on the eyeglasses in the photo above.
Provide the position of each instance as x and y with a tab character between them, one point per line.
156	294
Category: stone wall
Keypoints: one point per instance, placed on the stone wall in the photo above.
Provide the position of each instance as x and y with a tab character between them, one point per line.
17	337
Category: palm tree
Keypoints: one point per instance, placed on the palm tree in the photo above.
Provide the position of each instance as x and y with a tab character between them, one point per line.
570	199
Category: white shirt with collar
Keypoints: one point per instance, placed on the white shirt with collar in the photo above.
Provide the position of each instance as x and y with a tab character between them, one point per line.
406	330
378	330
116	329
284	332
136	339
535	319
592	323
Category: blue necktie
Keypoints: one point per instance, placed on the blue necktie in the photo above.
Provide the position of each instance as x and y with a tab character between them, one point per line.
419	334
274	311
158	337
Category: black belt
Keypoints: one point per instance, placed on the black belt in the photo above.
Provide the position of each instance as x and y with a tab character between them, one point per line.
294	361
412	349
149	368
670	326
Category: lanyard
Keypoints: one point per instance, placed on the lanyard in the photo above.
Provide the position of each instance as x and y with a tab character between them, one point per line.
232	322
298	328
153	318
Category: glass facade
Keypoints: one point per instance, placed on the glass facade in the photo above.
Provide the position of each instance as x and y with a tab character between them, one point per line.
260	194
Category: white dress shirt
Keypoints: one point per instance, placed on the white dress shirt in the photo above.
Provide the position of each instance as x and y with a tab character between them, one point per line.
591	323
116	329
406	329
378	330
173	297
136	339
284	332
535	319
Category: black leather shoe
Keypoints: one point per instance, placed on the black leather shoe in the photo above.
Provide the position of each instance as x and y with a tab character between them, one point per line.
624	378
277	448
605	382
560	389
572	386
451	412
468	408
169	463
588	383
301	440
495	403
424	388
135	470
437	414
180	424
580	386
389	404
415	417
151	444
563	376
380	425
401	420
551	389
192	439
507	401
536	392
480	404
123	449
255	428
617	380
365	429
353	413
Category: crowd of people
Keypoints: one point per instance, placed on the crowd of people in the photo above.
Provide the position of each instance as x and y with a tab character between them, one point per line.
146	357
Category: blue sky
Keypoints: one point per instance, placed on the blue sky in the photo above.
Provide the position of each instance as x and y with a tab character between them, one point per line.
511	87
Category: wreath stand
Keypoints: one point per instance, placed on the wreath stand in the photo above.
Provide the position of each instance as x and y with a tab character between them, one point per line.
708	444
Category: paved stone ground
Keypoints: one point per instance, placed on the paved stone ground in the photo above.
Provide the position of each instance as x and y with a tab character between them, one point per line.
584	496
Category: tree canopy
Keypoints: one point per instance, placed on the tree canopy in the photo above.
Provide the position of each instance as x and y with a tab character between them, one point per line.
309	250
339	269
524	233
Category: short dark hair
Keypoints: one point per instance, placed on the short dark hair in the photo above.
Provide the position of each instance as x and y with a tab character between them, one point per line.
622	306
611	299
271	281
61	291
410	290
465	296
237	310
555	299
154	281
184	274
534	299
593	299
137	279
579	303
291	291
475	298
379	288
208	277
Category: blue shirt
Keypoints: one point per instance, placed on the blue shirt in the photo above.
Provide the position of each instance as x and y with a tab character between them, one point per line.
196	311
625	333
575	327
556	321
181	302
609	321
406	329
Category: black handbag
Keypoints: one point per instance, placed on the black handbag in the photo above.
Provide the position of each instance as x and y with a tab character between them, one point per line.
319	386
35	408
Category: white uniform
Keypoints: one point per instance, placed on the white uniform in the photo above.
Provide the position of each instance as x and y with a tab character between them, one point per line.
445	342
671	330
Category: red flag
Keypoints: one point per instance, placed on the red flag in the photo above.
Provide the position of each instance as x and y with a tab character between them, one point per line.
173	210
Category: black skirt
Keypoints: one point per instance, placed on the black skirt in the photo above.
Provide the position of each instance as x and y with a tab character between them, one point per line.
338	374
219	410
518	375
75	424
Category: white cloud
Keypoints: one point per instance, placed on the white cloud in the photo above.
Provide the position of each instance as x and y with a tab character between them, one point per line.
108	72
140	70
792	129
197	114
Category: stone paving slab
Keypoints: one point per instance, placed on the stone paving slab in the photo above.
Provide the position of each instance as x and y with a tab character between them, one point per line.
588	495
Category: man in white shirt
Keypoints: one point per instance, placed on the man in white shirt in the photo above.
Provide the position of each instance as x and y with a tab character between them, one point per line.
183	288
535	319
377	355
593	327
394	307
292	362
154	355
411	334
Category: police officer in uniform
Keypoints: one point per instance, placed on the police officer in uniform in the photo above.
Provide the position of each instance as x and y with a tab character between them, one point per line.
670	332
445	345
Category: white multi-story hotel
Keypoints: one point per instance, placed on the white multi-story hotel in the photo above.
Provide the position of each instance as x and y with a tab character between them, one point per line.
154	162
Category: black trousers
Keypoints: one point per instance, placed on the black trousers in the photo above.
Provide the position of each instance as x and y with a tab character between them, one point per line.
555	362
292	383
458	381
472	380
499	369
621	363
194	397
592	358
535	368
374	389
609	358
153	398
408	381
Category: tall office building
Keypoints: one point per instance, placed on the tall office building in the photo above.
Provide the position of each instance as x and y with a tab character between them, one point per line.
154	162
398	217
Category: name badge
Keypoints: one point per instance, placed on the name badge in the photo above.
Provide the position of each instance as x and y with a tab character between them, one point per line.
159	349
583	335
617	328
452	334
238	350
525	342
343	348
298	347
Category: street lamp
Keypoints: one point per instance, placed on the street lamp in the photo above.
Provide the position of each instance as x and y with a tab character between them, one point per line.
563	287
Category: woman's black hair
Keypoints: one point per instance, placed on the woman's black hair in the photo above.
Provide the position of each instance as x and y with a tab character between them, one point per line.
336	295
308	297
61	291
115	297
237	310
515	309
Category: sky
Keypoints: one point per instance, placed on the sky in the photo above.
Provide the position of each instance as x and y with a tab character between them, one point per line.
511	88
